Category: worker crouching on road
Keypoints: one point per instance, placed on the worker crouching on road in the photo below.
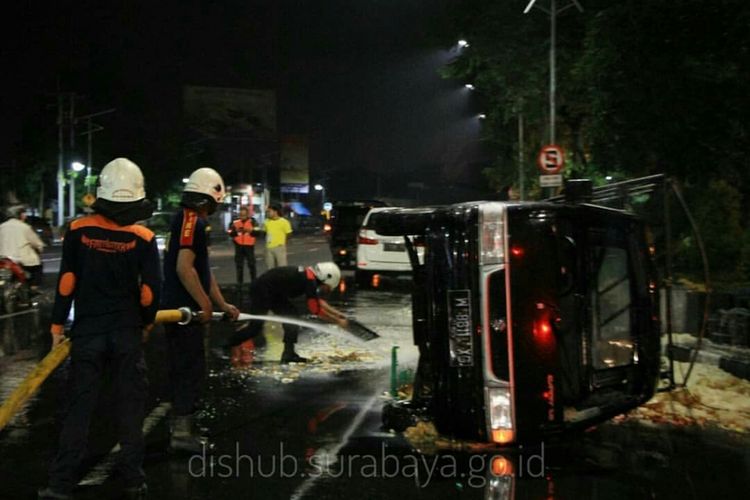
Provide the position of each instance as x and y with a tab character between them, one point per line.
110	267
188	281
273	291
243	234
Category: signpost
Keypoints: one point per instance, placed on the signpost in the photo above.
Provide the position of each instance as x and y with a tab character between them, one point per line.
550	161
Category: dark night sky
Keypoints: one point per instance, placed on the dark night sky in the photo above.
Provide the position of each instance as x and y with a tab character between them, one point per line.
359	77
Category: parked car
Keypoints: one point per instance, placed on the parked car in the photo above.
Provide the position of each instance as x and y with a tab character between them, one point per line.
346	219
379	254
307	224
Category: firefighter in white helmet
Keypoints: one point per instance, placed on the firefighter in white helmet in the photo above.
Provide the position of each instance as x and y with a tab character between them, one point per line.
188	281
273	291
110	267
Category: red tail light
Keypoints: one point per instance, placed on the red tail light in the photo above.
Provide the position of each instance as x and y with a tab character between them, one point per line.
362	240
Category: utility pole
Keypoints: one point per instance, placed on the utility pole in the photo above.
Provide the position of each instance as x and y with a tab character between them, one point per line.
90	131
60	169
72	186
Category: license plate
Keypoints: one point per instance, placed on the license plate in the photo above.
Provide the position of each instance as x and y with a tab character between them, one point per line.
393	247
460	328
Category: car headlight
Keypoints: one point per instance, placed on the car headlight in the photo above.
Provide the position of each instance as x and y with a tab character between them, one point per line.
492	242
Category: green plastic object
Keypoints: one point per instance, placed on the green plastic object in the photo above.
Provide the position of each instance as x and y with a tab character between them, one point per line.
394	371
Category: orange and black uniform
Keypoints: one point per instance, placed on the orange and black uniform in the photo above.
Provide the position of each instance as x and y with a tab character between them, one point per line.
243	236
112	274
185	347
274	291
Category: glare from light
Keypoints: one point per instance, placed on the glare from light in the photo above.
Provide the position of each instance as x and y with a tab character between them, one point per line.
463	43
608	178
318	187
185	180
481	116
469	86
77	166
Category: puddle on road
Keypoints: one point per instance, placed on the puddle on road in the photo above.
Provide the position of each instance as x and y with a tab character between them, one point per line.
386	312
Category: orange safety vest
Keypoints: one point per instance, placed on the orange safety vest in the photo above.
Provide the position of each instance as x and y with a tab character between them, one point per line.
244	239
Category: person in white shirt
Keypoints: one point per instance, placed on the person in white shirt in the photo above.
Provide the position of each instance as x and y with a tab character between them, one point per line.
19	242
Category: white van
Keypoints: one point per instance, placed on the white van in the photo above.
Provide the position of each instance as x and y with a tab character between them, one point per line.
378	254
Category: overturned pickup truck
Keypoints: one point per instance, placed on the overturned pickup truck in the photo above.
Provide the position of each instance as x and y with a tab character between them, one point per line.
530	318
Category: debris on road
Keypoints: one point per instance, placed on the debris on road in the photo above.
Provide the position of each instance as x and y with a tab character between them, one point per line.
713	398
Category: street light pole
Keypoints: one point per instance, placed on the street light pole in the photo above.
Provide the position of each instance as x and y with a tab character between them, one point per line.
552	12
322	189
552	68
75	168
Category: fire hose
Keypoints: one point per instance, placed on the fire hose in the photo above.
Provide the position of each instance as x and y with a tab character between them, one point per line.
181	316
55	357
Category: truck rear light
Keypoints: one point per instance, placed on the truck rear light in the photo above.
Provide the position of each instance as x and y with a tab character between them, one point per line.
501	418
492	243
503	436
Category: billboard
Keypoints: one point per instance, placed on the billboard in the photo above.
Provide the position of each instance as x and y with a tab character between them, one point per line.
215	112
295	176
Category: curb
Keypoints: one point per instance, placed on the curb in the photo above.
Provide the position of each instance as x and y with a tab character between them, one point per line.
736	366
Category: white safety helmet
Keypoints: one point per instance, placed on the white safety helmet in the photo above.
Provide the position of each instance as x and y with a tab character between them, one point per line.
121	181
206	181
328	273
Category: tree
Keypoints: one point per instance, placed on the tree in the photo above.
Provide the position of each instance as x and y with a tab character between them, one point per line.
644	86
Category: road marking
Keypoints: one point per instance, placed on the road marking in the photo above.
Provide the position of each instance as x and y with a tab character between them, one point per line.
103	469
302	490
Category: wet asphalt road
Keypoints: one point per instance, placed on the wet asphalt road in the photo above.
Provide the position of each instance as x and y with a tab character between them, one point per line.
314	431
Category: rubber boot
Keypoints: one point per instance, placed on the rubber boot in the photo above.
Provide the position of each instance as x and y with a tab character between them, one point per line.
183	437
259	341
290	356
